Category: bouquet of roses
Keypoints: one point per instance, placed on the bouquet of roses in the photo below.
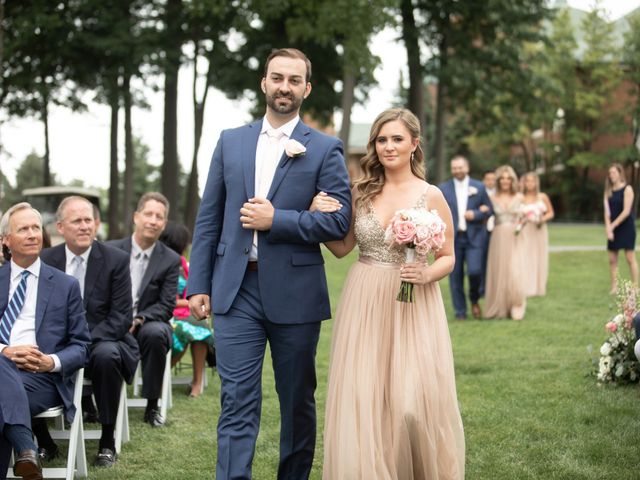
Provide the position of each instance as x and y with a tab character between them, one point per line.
618	363
418	231
532	213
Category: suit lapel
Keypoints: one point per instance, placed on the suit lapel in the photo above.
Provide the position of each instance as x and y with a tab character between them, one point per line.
301	134
454	203
248	156
5	281
45	287
94	267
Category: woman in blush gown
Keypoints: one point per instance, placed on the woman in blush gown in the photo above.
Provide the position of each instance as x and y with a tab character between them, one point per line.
505	286
620	223
392	410
535	235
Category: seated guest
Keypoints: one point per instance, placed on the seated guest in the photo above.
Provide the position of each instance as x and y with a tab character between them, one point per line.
154	283
187	330
44	339
105	282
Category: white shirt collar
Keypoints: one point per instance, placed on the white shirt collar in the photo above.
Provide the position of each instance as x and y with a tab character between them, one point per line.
71	255
287	128
136	249
34	269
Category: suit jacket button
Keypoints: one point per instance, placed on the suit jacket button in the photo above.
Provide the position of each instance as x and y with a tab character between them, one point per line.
246	251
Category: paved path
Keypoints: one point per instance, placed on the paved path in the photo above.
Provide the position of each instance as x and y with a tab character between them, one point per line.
577	248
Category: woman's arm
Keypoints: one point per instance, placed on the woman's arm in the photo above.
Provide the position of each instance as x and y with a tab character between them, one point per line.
420	273
325	203
607	219
549	214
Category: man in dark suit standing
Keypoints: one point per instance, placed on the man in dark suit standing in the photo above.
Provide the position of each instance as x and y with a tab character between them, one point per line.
470	207
44	338
105	282
256	263
154	282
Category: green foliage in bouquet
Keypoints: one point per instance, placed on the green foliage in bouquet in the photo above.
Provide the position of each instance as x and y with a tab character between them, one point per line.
618	363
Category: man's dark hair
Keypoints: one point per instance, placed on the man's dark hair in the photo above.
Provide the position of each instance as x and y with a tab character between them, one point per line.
289	53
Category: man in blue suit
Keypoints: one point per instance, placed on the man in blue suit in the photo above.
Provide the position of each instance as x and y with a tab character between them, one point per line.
256	264
44	338
470	207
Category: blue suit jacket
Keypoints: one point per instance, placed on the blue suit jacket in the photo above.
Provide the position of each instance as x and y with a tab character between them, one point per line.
61	327
476	230
292	281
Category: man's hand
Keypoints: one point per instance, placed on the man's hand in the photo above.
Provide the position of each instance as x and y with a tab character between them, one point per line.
468	215
136	323
257	214
200	306
29	358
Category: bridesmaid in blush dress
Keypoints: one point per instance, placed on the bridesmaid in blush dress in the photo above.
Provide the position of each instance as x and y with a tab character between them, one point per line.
619	223
392	409
505	288
535	235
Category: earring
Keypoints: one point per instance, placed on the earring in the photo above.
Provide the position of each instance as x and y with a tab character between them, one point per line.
412	154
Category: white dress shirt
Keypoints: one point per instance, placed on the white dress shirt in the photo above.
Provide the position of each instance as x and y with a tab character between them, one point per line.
262	184
71	265
462	196
24	328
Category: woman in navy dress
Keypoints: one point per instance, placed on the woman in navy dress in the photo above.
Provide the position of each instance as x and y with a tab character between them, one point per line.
620	223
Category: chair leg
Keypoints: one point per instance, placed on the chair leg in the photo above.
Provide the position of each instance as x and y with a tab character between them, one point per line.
122	418
166	400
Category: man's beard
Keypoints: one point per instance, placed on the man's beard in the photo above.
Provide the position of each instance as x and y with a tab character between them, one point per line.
293	106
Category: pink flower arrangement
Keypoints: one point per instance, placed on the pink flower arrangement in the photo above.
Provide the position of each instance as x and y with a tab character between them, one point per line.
532	213
418	231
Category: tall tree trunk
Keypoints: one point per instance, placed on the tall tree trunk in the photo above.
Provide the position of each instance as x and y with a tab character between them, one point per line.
170	181
348	96
411	36
46	170
114	218
441	109
198	122
129	159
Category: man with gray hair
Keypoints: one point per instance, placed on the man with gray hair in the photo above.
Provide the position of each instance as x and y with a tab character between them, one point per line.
103	274
154	284
44	338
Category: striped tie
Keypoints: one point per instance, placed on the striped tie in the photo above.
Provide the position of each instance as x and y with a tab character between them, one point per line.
13	309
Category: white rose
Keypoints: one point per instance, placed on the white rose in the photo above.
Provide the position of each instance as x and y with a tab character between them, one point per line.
605	349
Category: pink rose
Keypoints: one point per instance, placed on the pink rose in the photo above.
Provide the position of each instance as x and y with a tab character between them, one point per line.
422	233
611	326
405	231
294	149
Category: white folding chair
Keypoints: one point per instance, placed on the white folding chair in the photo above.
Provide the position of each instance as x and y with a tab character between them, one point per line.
165	401
76	456
122	421
636	349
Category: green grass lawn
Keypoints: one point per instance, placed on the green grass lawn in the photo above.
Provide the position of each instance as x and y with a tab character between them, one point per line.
584	234
529	406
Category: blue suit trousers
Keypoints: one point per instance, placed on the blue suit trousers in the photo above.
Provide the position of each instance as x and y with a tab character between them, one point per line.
241	336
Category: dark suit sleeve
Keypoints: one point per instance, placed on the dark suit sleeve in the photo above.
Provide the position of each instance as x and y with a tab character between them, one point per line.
208	226
118	320
73	356
162	309
478	215
290	226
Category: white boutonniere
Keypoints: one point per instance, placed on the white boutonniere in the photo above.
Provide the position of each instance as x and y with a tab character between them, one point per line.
472	191
294	149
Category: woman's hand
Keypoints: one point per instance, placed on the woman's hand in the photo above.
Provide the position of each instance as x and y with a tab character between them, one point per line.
324	203
610	234
416	273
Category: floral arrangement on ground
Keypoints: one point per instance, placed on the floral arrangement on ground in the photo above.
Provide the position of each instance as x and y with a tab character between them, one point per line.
618	363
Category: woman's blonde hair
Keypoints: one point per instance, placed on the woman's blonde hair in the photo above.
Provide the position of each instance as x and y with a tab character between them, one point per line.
512	174
372	180
533	175
608	186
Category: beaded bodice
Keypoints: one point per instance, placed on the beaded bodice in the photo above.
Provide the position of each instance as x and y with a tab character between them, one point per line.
370	234
507	213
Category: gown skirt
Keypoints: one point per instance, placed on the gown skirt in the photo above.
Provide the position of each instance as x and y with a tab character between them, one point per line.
536	270
392	411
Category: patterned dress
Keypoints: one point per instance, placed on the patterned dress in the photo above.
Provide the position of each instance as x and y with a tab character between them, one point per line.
392	409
